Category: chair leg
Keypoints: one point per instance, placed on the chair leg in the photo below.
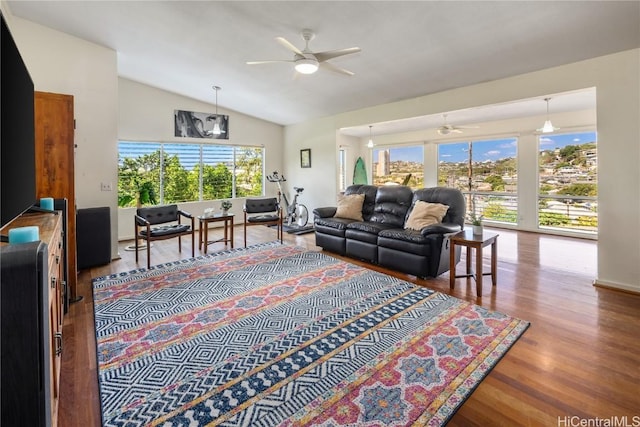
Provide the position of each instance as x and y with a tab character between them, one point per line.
245	234
135	233
193	244
148	253
179	243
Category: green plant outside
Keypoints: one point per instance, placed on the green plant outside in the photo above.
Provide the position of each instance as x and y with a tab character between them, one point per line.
139	179
496	212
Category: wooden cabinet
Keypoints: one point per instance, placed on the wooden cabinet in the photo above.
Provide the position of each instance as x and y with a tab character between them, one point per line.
55	313
55	173
32	315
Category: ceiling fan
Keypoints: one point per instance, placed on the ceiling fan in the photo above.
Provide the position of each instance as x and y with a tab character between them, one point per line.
446	128
307	62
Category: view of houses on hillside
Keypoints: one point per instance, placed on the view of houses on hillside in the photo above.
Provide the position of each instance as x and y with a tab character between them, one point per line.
486	171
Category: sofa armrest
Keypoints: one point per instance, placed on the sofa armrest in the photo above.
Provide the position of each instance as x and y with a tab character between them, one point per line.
442	228
326	212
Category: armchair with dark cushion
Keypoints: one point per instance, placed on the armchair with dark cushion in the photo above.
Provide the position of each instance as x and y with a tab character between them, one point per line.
170	218
263	212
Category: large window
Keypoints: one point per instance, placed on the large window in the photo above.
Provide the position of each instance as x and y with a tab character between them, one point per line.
400	165
486	172
158	173
568	182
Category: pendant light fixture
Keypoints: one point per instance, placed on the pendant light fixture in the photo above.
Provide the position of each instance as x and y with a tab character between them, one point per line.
370	143
547	127
216	123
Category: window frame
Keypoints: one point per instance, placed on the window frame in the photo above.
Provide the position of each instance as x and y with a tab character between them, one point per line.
233	167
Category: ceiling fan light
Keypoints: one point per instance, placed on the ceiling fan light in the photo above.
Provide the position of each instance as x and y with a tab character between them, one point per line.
306	66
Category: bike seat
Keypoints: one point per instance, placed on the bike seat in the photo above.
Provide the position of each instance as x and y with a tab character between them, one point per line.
298	189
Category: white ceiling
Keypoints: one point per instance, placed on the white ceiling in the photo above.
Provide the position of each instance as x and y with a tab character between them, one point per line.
409	49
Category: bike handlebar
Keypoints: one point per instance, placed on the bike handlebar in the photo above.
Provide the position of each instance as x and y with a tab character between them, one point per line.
276	178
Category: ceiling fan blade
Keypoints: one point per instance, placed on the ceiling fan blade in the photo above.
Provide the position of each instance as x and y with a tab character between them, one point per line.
329	54
329	66
468	127
448	129
286	43
268	62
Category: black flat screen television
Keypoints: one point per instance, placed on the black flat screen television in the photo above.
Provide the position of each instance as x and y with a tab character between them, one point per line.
17	148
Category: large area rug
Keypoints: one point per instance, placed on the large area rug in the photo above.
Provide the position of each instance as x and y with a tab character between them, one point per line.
274	335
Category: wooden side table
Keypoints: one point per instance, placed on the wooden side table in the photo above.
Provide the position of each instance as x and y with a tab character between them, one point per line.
204	221
477	242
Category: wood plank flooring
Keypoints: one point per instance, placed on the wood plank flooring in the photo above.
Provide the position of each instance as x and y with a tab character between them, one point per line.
580	357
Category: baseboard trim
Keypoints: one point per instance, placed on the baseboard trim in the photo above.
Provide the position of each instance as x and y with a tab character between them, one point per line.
616	287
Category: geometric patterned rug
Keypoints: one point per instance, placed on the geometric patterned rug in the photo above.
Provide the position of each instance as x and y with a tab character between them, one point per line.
274	335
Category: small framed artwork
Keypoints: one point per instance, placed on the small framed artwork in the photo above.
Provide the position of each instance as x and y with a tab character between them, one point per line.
305	158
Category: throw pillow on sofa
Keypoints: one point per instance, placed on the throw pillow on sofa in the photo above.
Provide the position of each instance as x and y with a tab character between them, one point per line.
425	214
350	207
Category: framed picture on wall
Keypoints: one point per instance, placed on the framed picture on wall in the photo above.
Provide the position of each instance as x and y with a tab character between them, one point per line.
305	158
189	124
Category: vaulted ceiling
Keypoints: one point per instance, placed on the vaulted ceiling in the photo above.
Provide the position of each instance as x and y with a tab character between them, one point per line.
409	49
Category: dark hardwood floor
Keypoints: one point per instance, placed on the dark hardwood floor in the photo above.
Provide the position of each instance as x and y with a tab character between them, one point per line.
580	357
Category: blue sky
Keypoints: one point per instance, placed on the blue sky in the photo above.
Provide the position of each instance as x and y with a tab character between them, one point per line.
504	148
487	150
411	154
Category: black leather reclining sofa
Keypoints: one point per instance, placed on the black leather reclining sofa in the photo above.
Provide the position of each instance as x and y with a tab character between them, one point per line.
381	237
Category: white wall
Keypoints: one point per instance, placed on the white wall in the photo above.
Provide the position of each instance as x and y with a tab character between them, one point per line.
617	81
320	180
146	114
63	64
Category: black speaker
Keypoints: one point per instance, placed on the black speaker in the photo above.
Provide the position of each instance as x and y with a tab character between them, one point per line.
93	237
24	342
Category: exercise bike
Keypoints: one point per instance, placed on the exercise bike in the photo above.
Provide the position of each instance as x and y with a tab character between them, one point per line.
297	213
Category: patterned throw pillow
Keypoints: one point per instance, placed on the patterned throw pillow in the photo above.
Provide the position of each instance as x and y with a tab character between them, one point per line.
350	207
424	214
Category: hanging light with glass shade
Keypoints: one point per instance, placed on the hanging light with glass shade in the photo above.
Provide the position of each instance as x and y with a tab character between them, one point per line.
216	123
370	143
547	127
